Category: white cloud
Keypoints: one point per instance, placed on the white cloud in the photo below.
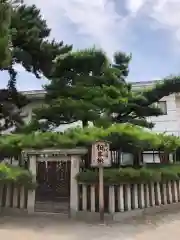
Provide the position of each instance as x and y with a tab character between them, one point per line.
19	68
95	20
135	5
84	23
165	13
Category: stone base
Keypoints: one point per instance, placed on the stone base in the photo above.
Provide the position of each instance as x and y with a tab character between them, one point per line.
13	211
122	216
52	207
94	216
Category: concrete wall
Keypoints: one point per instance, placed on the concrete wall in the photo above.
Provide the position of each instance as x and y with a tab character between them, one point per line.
28	110
167	123
178	112
170	122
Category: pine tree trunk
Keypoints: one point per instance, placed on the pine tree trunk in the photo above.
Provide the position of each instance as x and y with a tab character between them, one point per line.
84	123
137	159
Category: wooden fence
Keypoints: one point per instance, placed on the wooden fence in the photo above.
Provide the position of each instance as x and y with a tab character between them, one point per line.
128	197
13	197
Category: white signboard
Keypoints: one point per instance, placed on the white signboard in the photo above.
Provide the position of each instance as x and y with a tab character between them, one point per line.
100	154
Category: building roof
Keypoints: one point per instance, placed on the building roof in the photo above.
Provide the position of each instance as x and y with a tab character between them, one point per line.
39	94
34	94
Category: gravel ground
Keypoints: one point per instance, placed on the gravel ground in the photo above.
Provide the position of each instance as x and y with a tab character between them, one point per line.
162	226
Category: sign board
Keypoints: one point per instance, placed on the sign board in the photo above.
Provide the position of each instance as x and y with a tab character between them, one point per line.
100	154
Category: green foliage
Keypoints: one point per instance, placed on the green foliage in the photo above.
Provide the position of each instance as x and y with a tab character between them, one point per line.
29	39
9	99
129	136
160	89
11	103
16	175
23	40
85	86
131	175
79	88
5	16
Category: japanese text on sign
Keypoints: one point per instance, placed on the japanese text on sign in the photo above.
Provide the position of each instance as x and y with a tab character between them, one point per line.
100	154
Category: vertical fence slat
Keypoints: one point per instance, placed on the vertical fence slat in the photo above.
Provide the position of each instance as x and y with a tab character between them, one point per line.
175	191
164	193
111	199
4	193
128	197
8	196
84	197
1	193
152	194
22	197
121	198
15	198
141	196
158	194
18	197
135	196
178	190
169	191
93	208
147	197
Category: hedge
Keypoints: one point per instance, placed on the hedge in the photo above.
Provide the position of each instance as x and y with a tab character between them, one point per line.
16	175
124	134
131	175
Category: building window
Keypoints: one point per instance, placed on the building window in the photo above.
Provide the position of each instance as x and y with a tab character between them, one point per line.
163	106
127	159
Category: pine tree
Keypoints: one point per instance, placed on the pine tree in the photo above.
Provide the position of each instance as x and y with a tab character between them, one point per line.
85	86
25	40
5	18
29	39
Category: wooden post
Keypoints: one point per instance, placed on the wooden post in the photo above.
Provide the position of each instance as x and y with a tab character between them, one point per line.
100	157
31	194
74	198
101	193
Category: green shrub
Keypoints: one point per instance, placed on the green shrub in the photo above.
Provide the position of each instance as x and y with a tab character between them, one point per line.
131	175
147	175
16	175
128	175
168	175
87	176
127	136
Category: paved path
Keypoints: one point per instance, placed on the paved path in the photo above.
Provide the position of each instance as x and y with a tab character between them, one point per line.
160	227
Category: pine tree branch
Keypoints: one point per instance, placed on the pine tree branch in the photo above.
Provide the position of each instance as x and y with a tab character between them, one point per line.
168	86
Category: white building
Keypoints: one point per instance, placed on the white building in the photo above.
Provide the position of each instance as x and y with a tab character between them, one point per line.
168	122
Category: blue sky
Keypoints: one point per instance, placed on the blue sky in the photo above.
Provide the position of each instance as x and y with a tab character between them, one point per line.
149	29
